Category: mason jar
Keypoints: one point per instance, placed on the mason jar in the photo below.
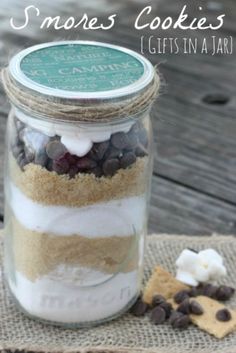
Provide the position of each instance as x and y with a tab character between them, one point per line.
77	179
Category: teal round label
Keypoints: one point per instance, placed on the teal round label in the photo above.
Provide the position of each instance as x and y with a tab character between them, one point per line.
82	67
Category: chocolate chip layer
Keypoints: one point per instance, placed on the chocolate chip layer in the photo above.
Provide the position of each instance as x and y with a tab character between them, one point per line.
103	159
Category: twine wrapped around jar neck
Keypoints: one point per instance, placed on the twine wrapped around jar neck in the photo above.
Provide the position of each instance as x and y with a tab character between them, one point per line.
38	104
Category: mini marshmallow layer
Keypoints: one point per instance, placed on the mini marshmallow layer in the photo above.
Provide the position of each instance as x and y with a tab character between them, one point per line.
121	217
77	139
56	301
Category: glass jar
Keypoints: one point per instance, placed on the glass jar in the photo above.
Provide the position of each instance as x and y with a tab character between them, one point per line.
77	185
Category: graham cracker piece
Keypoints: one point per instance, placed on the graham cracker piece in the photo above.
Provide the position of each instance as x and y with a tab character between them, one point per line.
208	322
162	282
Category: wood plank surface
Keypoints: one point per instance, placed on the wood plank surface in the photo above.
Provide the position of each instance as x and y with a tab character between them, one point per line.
195	161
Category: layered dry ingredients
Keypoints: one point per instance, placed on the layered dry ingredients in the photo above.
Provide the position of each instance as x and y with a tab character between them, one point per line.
77	197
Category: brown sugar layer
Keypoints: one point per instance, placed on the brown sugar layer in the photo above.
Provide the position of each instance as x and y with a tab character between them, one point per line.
49	188
37	254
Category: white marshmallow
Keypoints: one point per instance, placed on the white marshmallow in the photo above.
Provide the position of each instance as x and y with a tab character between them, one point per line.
194	268
78	146
186	278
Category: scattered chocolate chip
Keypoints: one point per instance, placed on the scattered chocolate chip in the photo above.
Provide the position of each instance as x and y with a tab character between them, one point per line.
224	293
167	307
141	151
127	159
223	315
193	292
85	163
184	306
157	300
174	316
139	308
120	140
158	315
55	149
209	290
196	308
110	166
182	322
180	296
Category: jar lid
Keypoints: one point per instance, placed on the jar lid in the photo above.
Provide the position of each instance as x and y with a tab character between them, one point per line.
81	70
81	80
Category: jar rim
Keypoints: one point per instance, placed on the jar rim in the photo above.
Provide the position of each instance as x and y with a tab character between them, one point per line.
96	96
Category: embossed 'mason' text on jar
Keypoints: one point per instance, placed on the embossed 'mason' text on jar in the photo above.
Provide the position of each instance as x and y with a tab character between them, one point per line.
77	179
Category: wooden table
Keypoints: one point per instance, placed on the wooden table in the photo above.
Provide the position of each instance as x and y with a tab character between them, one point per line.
194	180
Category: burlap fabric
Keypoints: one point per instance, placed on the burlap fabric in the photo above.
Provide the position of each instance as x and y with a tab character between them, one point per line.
128	333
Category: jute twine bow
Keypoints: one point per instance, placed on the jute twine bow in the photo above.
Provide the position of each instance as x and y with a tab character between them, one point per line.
74	110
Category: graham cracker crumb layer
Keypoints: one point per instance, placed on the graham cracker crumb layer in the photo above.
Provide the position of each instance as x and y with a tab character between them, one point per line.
37	254
49	188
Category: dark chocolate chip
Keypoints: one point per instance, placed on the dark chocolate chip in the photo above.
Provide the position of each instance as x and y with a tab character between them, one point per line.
139	308
55	149
133	139
180	296
209	290
120	140
41	158
113	152
158	315
49	165
167	307
182	322
29	155
72	159
61	166
141	151
73	171
174	316
223	315
97	171
21	160
128	159
196	308
136	127
224	293
193	292
110	166
98	151
157	300
184	306
85	163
